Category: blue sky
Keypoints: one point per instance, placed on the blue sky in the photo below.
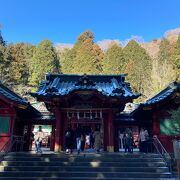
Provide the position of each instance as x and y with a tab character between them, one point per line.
64	20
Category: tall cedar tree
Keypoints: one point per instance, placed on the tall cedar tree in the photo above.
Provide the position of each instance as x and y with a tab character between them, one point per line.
67	57
1	50
88	56
21	57
138	68
2	42
44	60
114	61
162	67
176	58
28	53
5	62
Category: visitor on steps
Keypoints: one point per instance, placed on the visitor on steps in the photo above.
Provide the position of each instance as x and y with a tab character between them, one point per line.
97	139
91	139
143	139
69	140
78	138
127	142
38	145
83	136
38	139
131	139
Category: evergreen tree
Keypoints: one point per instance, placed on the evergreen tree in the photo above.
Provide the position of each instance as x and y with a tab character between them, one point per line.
1	62
21	58
138	68
162	71
28	53
5	66
114	61
164	51
2	42
67	57
2	49
44	60
176	58
88	56
21	54
5	62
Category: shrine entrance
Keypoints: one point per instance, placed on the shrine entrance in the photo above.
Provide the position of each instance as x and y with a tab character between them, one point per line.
46	136
135	134
86	100
89	120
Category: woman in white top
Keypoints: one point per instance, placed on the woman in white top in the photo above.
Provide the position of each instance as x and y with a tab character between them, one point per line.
143	137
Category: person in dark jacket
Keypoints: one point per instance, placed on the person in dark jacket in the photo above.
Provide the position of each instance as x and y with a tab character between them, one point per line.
69	140
78	138
127	142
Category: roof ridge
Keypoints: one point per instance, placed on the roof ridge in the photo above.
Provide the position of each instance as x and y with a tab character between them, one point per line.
9	91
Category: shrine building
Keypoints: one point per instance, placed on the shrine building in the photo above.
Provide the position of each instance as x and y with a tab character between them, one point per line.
91	101
86	100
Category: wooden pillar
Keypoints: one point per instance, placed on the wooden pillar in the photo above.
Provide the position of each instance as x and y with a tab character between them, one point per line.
52	144
58	130
110	132
11	126
29	133
65	125
11	123
105	120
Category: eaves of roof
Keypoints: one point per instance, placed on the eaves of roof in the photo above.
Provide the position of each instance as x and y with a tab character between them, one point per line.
110	86
11	97
163	95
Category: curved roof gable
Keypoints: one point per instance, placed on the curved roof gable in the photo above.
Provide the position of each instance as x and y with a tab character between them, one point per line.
64	84
10	96
164	94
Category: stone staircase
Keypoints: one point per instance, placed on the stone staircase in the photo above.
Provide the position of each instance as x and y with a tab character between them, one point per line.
86	166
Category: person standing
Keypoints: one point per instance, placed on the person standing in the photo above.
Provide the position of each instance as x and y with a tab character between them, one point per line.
83	138
97	140
91	139
78	138
131	139
69	140
25	138
38	145
38	139
126	142
143	138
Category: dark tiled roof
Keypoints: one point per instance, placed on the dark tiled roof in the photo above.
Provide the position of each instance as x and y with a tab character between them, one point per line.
11	96
63	84
164	94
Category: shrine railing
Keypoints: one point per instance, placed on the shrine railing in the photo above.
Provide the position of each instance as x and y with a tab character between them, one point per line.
15	143
159	148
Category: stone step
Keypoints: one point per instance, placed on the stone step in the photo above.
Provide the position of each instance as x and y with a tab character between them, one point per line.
83	169
39	174
114	155
86	166
81	178
89	164
83	159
